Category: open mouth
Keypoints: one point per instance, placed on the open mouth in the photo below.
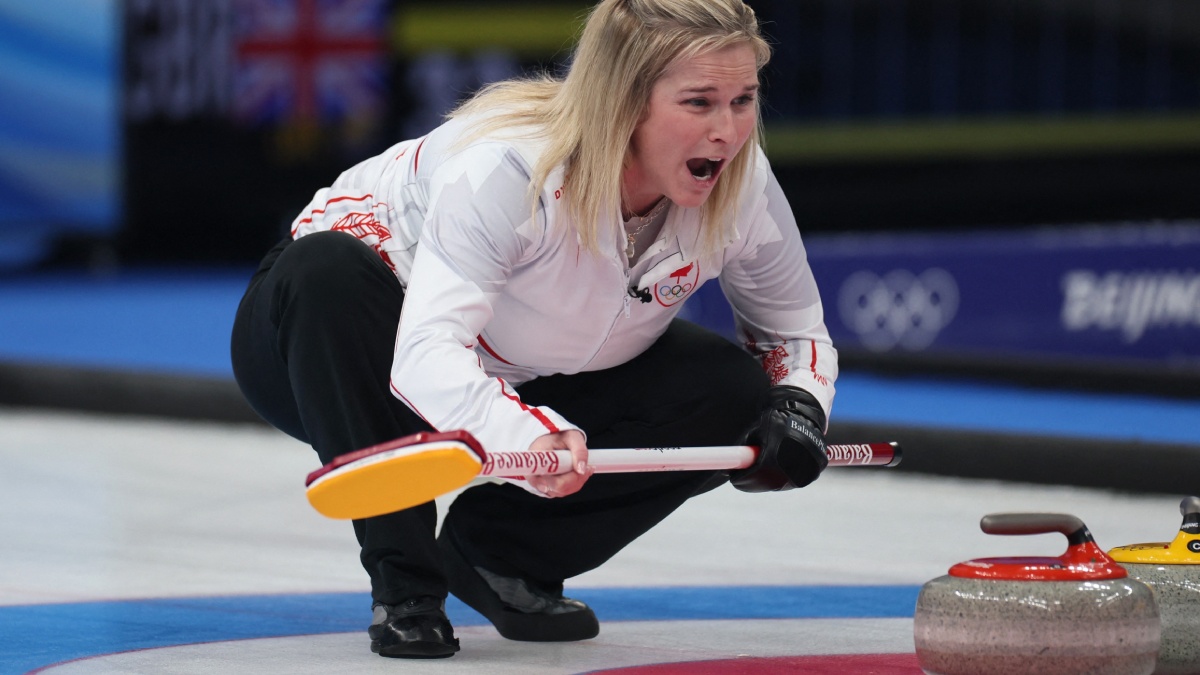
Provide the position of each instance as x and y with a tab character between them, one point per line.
704	168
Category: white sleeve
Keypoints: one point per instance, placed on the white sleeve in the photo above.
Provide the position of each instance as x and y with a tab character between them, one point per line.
476	230
776	303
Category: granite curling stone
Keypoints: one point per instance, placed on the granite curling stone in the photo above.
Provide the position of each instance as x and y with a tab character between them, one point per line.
1074	614
1172	570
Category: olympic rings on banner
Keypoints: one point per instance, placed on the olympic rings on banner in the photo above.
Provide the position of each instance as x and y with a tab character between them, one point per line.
898	309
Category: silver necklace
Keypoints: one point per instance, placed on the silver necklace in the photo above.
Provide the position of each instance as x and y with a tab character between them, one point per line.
643	223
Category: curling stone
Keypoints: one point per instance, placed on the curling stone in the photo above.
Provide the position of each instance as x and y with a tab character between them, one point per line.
1074	614
1172	569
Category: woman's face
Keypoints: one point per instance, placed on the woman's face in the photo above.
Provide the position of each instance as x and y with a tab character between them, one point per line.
701	112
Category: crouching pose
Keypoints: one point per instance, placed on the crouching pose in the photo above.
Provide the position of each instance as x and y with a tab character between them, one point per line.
516	273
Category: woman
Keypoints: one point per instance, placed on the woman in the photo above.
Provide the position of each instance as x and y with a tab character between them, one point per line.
533	251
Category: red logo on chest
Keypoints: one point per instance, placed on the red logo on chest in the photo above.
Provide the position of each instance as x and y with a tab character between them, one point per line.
677	285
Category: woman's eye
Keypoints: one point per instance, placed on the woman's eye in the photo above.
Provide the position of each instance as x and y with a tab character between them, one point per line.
744	100
697	102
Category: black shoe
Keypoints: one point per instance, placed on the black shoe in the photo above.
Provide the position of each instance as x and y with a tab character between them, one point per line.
518	609
414	629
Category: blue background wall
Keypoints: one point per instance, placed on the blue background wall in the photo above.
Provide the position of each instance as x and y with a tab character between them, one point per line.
60	131
979	183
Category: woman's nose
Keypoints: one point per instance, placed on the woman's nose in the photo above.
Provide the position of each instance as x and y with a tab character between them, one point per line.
723	126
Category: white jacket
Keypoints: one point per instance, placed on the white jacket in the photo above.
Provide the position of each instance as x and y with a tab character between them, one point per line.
495	298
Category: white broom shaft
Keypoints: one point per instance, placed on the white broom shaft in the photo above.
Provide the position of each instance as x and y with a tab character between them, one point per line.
710	458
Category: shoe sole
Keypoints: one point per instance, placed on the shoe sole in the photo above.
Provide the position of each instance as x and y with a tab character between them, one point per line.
414	650
468	586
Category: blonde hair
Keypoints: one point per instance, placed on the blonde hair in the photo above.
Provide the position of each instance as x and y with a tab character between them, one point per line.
588	117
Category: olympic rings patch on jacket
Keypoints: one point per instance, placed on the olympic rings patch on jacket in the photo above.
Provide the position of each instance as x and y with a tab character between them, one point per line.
678	285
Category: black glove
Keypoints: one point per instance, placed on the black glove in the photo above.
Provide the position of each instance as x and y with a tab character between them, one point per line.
791	446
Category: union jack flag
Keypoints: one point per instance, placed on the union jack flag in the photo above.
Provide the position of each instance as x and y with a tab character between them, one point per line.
308	60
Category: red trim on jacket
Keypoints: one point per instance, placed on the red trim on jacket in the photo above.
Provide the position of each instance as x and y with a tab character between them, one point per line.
488	348
335	199
537	414
417	156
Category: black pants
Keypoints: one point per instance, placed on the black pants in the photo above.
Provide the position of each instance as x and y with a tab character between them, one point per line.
312	351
